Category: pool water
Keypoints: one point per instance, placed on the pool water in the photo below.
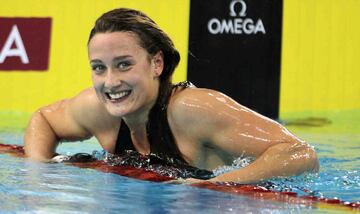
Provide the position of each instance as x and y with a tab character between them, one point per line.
29	187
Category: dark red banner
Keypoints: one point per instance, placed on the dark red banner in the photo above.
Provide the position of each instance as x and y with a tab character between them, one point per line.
24	43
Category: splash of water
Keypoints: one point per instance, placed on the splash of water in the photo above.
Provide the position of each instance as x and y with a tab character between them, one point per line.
238	163
160	164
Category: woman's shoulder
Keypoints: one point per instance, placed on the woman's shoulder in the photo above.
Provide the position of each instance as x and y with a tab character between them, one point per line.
190	104
198	112
85	101
89	111
205	106
182	96
190	97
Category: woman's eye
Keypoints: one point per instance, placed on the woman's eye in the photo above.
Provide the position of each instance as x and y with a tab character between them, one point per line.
98	68
124	66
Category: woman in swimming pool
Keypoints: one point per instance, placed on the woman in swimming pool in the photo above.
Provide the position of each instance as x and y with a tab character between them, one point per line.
134	106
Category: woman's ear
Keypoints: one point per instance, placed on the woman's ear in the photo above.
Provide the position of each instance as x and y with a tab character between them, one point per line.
158	63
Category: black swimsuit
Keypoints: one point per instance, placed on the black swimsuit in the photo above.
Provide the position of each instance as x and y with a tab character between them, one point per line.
124	141
124	144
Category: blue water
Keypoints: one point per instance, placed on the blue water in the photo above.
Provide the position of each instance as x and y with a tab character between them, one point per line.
29	187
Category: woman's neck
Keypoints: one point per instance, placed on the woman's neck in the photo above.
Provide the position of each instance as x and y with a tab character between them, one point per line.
138	132
139	119
137	123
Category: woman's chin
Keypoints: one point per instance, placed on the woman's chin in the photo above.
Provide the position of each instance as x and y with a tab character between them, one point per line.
116	111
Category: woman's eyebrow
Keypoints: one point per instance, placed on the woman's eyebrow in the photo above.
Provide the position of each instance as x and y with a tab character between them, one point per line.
95	61
115	59
121	57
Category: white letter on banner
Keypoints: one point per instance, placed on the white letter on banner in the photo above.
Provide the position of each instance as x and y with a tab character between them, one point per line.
19	51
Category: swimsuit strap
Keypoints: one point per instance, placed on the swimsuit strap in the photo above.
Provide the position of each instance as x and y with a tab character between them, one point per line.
184	84
124	141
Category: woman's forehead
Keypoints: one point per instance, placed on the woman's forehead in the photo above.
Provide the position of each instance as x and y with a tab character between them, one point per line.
114	42
118	37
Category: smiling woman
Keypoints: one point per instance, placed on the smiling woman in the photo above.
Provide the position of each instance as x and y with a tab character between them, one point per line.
134	106
124	76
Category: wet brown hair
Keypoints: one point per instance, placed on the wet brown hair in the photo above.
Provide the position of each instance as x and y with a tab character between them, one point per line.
153	40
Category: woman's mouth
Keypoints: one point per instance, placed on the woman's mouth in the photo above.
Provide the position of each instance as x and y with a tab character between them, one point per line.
117	96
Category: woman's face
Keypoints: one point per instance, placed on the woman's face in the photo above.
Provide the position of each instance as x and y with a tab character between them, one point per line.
125	76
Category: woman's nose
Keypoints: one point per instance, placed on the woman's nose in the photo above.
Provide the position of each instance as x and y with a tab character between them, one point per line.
112	79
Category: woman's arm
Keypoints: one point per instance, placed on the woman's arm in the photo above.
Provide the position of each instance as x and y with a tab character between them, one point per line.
217	119
282	159
40	140
65	120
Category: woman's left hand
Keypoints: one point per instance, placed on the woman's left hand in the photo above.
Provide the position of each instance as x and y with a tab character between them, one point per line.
185	181
193	181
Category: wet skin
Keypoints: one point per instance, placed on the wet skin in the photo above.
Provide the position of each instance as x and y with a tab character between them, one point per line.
210	128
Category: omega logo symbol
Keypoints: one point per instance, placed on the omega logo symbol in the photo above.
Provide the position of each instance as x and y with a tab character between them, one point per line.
239	24
242	12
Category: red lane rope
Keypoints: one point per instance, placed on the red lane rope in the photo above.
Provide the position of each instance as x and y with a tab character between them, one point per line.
253	191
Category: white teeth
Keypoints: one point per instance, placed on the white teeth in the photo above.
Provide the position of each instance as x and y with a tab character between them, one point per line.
118	95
